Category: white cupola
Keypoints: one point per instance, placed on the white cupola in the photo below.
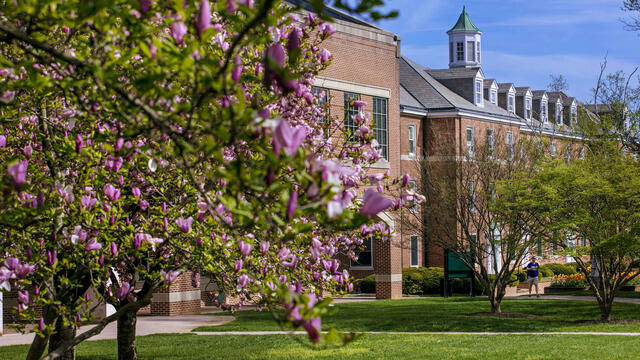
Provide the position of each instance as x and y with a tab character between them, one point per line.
464	43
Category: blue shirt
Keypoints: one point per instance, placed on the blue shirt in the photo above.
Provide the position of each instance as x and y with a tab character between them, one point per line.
532	270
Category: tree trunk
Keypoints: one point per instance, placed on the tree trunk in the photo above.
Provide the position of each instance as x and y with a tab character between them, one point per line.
62	334
605	310
37	347
127	336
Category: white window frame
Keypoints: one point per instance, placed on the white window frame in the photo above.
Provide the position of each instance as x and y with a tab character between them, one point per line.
414	254
478	92
471	55
553	149
558	113
493	96
544	111
478	51
412	140
511	103
459	52
581	153
471	143
573	117
527	108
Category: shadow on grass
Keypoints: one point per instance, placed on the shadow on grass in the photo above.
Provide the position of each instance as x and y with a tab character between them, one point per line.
454	314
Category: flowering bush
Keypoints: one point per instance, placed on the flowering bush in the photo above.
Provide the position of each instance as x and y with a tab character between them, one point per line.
570	281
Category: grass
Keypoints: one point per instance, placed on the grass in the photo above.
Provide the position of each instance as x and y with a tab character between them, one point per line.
370	347
437	314
619	294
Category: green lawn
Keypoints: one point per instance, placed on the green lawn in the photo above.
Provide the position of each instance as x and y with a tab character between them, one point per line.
620	294
437	314
369	347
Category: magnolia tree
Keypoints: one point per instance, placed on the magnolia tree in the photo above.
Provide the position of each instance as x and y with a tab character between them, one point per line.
141	139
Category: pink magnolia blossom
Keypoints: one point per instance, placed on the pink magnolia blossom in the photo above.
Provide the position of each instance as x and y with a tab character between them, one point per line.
283	253
204	17
3	141
169	276
87	202
264	247
184	224
18	172
23	270
294	39
237	266
23	297
313	328
114	249
92	245
12	263
113	163
236	73
123	291
8	96
373	203
135	192
145	5
245	248
292	204
243	281
143	204
52	256
325	55
405	180
28	151
178	30
119	144
111	192
287	138
79	143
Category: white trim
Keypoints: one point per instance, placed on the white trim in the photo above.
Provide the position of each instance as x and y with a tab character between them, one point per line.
414	112
352	87
411	157
176	296
410	127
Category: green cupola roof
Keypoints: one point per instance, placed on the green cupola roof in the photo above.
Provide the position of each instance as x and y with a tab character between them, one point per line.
464	23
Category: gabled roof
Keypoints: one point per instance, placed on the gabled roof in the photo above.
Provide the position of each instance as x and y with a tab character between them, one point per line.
455	73
523	90
433	95
489	82
407	99
505	87
538	94
464	23
555	95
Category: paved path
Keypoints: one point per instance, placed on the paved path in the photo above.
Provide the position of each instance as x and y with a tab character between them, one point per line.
147	325
260	333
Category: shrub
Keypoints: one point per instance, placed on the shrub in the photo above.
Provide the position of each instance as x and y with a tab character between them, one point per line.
543	272
522	275
425	280
562	269
463	286
569	281
368	284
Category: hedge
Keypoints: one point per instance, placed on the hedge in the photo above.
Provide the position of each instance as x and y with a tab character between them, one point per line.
561	269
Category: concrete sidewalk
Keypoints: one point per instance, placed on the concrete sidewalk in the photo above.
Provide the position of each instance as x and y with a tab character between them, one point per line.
486	333
572	297
147	325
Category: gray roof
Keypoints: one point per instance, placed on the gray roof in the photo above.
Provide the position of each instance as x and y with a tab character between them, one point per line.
406	99
333	12
537	94
455	73
487	83
522	91
504	87
554	96
433	95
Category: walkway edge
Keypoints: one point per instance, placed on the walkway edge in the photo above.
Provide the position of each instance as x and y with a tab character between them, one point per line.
259	333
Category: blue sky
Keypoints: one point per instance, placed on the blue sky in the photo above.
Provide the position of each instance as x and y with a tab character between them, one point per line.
524	40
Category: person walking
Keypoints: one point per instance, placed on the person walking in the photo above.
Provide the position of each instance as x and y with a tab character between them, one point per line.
532	275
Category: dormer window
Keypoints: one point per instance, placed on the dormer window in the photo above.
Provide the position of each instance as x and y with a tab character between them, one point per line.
471	51
478	92
511	105
574	114
478	51
544	112
558	113
527	108
493	96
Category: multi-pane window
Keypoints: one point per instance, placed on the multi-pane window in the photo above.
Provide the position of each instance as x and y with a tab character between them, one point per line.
322	95
581	155
553	149
527	108
539	247
558	114
478	51
460	51
450	52
492	96
567	154
414	250
491	142
471	51
509	141
380	126
574	115
544	114
478	92
511	105
412	139
350	110
471	143
364	255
